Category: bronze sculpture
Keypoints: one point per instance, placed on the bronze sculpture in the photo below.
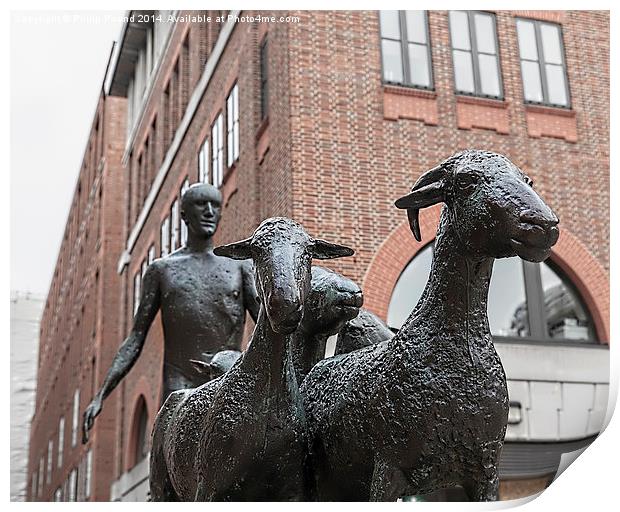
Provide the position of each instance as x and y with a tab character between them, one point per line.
203	300
243	435
428	408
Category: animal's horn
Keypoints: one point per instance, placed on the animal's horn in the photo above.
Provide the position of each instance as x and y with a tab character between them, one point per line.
427	191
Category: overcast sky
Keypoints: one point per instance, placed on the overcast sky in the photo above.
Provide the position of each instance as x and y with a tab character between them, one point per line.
58	61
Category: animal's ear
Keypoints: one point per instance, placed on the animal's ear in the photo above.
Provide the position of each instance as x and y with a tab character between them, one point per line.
237	250
200	366
323	250
430	189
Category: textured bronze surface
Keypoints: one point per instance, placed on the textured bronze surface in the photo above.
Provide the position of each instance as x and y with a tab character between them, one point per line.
202	297
428	408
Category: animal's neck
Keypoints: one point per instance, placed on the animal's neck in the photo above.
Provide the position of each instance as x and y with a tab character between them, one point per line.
268	353
454	303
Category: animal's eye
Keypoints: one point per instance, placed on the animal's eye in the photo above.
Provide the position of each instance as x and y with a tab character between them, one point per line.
465	181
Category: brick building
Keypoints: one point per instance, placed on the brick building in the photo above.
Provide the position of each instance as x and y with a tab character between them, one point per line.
327	117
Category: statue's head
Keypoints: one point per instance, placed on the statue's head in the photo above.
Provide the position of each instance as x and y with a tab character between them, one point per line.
201	206
490	204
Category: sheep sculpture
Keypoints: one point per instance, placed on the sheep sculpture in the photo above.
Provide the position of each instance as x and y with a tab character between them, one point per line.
243	435
427	409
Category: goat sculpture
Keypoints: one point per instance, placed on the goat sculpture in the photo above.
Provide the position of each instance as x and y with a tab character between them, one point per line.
243	435
428	409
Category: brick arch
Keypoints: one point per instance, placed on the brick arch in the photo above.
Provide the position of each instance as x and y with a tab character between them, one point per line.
573	258
140	392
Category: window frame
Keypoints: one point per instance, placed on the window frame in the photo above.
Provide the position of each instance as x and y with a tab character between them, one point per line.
404	52
535	304
473	41
232	126
541	64
204	163
217	150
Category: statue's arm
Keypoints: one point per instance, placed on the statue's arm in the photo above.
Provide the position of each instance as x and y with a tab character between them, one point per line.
131	348
250	296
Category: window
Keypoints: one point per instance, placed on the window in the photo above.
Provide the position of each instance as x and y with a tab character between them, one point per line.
174	228
50	452
73	485
58	494
41	469
151	256
184	188
217	150
264	85
140	432
143	268
76	414
136	292
232	125
543	67
526	300
203	162
475	54
89	472
405	48
165	237
61	439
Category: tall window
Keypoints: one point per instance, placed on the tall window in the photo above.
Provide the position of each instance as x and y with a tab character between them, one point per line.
73	485
526	300
475	54
165	237
217	150
405	48
41	482
232	125
184	188
151	256
203	162
89	472
543	67
174	228
136	291
264	84
143	268
61	439
76	414
50	451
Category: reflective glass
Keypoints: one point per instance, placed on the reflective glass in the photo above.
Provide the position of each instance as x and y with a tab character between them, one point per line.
556	85
489	78
392	61
532	89
409	287
390	25
507	307
418	65
416	27
550	37
463	71
485	33
527	40
565	316
459	30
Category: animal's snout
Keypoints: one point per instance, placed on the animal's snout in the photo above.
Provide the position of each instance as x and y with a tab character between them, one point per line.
285	312
545	220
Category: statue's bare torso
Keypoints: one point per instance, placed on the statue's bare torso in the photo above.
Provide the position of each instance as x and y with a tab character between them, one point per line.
202	306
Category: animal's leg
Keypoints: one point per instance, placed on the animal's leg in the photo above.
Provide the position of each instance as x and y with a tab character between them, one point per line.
483	481
161	487
388	482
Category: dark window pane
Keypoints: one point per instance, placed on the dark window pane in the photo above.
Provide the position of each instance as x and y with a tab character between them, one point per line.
409	287
418	65
507	307
527	40
485	33
392	61
463	71
459	30
416	27
556	85
550	36
489	78
566	317
389	24
532	89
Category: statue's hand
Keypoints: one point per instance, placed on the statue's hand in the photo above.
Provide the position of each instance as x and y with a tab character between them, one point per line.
91	412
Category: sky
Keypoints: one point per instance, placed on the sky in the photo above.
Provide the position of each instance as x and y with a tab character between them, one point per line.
58	61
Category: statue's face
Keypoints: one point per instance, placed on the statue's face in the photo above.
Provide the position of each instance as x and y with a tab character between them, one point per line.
201	209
